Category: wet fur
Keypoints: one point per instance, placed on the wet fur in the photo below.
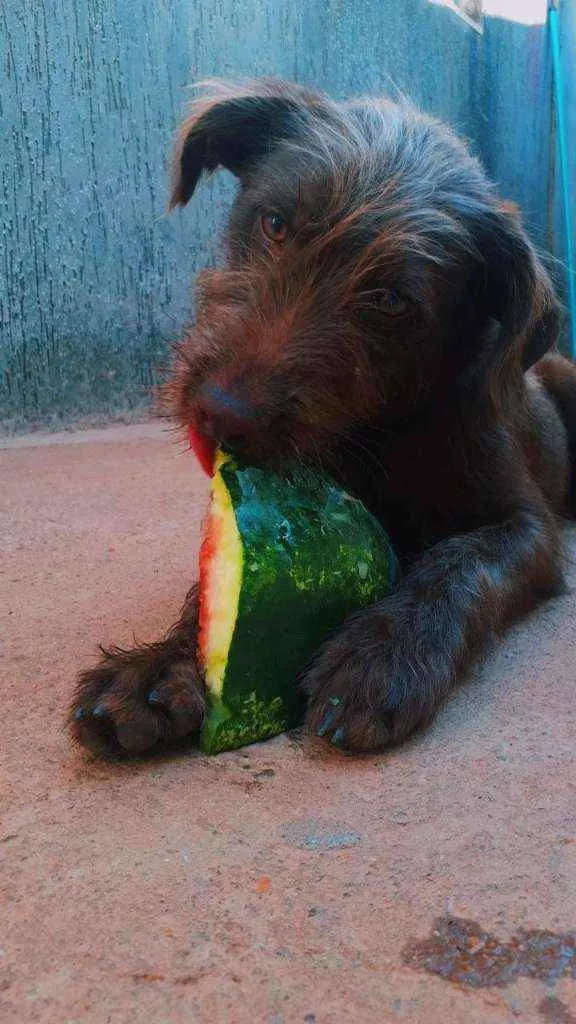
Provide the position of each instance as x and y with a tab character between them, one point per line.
454	422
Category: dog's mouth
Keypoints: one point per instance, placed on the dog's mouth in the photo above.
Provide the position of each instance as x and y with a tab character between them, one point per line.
205	449
261	425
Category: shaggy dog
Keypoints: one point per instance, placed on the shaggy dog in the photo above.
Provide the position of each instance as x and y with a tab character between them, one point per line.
382	315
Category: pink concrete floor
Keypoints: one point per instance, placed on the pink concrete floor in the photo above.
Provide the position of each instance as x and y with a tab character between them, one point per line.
279	884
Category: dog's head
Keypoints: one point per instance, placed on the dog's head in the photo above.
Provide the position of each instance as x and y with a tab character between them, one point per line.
370	271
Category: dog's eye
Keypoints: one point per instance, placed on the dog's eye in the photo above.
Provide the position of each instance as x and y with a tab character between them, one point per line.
274	226
389	302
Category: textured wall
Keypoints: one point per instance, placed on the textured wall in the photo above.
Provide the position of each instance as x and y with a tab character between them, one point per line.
96	276
514	91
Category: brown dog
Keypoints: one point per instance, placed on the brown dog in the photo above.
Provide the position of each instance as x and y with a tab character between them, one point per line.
376	315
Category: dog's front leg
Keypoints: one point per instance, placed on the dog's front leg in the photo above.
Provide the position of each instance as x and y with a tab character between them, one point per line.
386	672
136	700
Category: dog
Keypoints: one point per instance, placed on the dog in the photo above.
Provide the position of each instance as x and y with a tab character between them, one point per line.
381	314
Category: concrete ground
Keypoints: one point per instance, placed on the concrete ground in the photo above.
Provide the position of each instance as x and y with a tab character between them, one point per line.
281	884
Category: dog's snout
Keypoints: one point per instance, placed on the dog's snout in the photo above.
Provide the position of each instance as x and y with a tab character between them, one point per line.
225	416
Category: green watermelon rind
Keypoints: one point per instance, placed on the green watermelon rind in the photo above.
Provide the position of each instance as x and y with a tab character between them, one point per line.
312	555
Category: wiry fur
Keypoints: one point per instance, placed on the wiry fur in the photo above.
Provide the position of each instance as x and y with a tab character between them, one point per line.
429	416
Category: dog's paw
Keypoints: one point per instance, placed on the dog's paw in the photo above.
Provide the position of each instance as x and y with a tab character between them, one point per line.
136	701
363	693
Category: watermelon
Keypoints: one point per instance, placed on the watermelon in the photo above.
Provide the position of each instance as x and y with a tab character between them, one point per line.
283	561
204	449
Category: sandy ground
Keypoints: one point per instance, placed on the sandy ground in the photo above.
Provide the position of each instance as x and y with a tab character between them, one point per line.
280	884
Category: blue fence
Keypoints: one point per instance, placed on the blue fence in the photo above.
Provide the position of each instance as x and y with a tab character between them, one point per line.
96	277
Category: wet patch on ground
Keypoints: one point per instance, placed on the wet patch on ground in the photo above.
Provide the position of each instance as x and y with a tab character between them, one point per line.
462	952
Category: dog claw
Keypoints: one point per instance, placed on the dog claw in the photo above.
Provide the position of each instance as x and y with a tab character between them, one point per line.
326	722
153	697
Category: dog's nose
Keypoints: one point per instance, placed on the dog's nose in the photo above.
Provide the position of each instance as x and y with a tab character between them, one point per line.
225	416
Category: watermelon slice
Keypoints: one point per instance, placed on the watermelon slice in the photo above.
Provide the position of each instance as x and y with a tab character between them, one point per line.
283	561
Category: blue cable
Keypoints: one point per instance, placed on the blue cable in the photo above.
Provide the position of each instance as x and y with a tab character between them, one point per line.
564	168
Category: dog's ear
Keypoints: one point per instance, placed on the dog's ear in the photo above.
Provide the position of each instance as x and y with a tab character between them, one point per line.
543	328
515	289
504	279
234	126
510	288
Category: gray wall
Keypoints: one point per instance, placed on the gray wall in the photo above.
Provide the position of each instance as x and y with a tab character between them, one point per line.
96	278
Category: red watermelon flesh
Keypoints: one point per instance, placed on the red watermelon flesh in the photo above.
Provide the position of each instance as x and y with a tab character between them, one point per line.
204	449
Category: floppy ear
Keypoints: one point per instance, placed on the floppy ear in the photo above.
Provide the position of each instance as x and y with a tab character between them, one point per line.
543	328
234	126
515	289
505	278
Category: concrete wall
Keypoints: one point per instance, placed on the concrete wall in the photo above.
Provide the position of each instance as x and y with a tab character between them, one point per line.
96	277
514	94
